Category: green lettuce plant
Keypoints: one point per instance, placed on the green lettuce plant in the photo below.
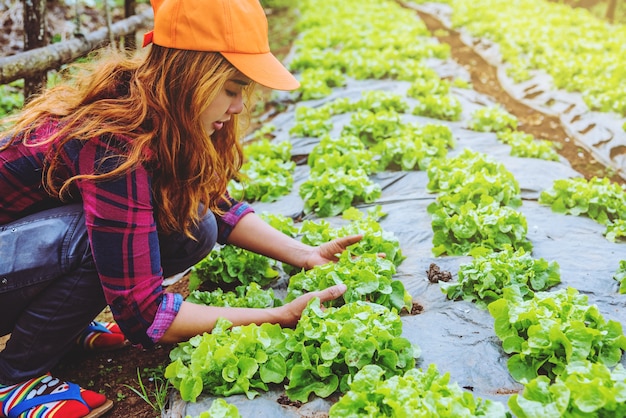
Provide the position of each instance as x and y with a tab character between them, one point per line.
416	393
468	177
361	45
267	173
620	276
483	279
469	227
230	264
444	107
264	148
244	296
328	347
316	83
373	127
578	51
264	180
375	239
312	122
220	409
524	145
346	152
616	230
321	355
333	191
584	389
241	360
598	198
380	100
553	329
492	119
283	223
368	277
414	147
474	207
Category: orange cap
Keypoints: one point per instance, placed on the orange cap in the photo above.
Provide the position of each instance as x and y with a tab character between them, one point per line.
235	28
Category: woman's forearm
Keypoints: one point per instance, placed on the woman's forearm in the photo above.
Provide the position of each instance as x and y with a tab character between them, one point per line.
254	234
194	319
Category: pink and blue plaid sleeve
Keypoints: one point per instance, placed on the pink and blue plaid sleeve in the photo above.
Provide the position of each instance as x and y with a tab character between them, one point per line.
125	245
227	222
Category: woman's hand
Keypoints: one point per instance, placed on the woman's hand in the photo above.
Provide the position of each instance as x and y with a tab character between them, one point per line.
291	312
330	250
254	234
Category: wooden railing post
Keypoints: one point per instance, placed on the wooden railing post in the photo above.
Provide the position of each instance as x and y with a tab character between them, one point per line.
130	40
35	36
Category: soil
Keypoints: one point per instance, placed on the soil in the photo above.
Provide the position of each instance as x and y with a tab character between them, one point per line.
113	372
435	274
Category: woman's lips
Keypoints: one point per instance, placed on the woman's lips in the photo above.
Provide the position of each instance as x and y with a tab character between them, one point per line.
218	125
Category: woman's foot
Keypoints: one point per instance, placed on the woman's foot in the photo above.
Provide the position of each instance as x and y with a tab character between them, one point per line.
102	336
48	397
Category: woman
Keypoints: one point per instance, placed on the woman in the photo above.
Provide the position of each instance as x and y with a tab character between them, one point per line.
117	179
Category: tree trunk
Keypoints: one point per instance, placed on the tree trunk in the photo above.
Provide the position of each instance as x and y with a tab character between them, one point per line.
35	30
40	60
130	40
610	11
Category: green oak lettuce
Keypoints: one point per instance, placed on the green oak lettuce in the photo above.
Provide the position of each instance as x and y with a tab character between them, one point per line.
416	393
367	276
553	329
584	389
330	346
483	280
241	360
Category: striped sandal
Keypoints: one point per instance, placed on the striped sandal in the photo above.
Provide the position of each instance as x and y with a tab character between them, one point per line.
102	336
48	397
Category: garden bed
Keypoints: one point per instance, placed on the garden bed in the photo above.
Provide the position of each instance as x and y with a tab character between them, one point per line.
456	336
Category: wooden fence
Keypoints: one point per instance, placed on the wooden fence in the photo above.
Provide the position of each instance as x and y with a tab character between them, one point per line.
32	65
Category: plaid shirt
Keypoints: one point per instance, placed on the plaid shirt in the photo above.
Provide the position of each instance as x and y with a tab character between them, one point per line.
119	219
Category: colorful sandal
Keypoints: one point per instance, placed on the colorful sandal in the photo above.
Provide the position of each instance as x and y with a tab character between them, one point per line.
99	336
48	397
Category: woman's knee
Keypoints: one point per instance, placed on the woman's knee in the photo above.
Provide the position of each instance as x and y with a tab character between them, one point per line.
179	252
48	256
43	246
207	234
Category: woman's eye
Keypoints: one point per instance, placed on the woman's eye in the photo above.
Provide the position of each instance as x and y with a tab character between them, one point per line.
231	93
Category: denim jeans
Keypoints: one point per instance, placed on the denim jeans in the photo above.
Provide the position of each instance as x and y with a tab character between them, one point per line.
50	290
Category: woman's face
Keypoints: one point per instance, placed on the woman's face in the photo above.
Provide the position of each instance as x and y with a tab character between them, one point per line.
229	101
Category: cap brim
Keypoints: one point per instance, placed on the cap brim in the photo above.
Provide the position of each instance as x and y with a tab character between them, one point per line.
264	69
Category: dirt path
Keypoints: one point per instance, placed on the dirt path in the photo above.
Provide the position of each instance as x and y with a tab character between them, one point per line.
540	125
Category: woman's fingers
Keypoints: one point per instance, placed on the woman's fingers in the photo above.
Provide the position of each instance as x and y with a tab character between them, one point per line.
349	240
331	293
331	249
293	310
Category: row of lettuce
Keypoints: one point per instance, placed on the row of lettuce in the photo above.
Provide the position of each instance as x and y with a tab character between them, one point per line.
562	350
580	52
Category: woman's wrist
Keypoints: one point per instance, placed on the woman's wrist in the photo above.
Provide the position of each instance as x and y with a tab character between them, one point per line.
284	316
302	256
254	234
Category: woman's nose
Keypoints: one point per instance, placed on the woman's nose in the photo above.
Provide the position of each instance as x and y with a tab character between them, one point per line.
236	105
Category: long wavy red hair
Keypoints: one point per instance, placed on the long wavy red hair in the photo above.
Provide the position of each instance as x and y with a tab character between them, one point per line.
156	101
